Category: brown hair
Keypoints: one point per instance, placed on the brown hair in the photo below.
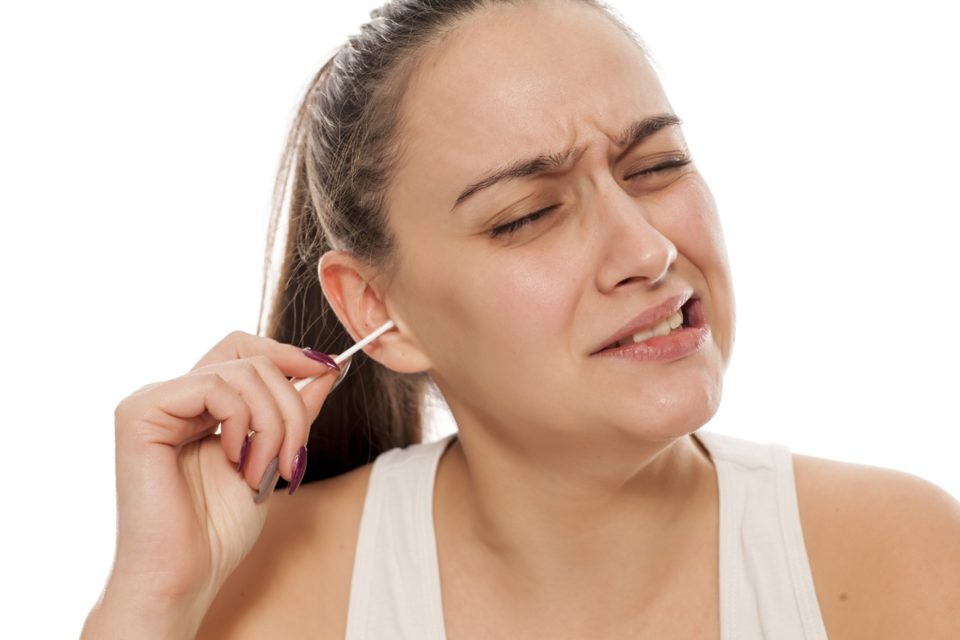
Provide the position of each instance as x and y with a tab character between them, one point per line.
339	158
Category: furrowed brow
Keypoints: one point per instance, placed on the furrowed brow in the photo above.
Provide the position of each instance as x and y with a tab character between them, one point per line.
634	134
643	129
520	169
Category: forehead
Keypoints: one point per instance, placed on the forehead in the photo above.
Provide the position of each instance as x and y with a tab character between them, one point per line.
519	79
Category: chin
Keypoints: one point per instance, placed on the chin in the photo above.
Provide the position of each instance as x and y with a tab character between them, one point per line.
675	413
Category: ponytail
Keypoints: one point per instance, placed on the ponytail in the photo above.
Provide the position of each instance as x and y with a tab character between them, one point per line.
373	409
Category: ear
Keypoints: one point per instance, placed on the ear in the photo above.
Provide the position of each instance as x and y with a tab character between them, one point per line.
350	286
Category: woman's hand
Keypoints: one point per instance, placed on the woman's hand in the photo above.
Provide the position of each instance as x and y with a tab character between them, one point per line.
186	516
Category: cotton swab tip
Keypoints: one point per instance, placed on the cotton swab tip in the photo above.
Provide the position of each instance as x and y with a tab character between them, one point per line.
382	329
343	357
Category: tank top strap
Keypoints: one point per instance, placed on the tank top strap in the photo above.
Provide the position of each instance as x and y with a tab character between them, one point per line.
395	589
766	585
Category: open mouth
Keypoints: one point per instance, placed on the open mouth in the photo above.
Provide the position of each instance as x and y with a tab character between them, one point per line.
693	314
689	316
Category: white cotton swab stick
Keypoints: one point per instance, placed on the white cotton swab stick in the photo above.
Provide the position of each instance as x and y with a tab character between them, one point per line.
340	359
386	326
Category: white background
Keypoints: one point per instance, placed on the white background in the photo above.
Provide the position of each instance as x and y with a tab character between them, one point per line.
138	145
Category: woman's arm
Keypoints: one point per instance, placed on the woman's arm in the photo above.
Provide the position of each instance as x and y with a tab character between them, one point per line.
884	548
923	549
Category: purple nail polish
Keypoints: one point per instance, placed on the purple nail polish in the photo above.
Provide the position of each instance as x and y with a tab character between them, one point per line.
299	468
243	453
319	356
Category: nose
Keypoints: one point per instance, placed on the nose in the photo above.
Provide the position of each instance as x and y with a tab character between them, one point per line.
632	248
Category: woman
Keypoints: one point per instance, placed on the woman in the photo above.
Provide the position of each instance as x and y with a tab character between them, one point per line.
507	183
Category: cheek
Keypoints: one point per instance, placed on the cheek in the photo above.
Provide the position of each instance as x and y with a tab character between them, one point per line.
477	302
531	294
470	301
691	222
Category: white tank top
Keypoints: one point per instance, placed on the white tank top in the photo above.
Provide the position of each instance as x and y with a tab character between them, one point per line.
766	588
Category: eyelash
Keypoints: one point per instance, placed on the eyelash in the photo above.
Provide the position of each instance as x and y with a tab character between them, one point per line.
519	223
669	164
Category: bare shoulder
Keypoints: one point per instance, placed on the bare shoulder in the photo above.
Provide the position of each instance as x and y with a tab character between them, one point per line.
296	580
884	550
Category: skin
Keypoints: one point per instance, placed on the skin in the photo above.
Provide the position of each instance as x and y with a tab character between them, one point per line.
596	454
570	474
532	307
585	480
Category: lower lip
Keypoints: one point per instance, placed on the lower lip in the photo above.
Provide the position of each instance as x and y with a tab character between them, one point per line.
677	344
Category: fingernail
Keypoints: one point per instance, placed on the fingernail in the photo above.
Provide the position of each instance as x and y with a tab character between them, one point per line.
243	453
269	480
343	374
299	468
319	356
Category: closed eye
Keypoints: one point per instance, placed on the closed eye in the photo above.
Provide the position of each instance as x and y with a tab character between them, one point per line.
675	163
519	223
515	225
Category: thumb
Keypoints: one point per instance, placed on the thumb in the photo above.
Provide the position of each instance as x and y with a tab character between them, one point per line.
316	392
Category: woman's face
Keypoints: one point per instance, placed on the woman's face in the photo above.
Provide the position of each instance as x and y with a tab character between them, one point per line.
510	320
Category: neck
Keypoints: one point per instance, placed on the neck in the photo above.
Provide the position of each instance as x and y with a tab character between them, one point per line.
575	510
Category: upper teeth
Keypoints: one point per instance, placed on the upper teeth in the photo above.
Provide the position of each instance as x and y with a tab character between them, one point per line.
661	329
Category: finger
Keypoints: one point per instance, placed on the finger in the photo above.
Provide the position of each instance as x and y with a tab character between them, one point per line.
297	419
300	409
288	358
315	394
181	410
266	419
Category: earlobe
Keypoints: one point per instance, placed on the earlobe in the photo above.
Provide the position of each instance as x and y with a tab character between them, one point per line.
349	286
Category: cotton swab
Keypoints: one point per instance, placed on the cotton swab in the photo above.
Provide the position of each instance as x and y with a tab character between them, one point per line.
340	359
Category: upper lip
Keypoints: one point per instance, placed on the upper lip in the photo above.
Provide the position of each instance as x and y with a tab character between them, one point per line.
648	319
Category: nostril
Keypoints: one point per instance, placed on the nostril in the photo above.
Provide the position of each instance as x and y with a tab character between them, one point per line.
630	280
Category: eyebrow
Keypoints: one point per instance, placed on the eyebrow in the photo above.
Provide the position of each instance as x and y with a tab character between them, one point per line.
634	134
